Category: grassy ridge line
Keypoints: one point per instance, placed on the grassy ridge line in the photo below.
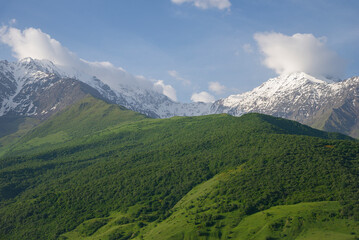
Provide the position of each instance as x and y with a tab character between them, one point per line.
317	220
87	117
300	221
196	216
182	224
90	117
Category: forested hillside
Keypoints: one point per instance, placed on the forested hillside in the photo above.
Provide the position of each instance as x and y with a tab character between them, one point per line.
98	171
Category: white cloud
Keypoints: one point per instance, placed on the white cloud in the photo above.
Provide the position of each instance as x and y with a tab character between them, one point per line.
175	74
205	4
167	90
202	97
216	87
36	44
299	53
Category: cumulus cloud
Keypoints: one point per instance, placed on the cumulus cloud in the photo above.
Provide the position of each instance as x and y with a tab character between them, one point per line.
36	44
205	4
299	53
175	74
202	97
216	87
167	90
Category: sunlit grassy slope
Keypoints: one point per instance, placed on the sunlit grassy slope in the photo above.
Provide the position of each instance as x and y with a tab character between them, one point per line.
12	128
307	220
85	118
98	171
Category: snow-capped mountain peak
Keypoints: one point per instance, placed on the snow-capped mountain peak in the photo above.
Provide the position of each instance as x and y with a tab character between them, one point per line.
269	91
22	83
30	65
297	96
39	88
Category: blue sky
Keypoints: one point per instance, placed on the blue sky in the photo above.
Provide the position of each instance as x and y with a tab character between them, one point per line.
187	46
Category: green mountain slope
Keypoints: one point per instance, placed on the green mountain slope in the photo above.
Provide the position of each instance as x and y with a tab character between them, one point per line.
87	117
114	174
58	95
12	128
208	211
309	220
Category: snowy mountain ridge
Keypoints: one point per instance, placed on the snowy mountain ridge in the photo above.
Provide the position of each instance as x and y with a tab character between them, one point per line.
19	80
278	95
297	96
38	88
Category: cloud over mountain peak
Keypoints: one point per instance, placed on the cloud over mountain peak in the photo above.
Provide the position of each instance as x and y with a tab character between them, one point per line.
299	53
36	44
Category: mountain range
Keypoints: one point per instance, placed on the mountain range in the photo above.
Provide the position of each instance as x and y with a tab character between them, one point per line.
27	84
82	160
38	89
